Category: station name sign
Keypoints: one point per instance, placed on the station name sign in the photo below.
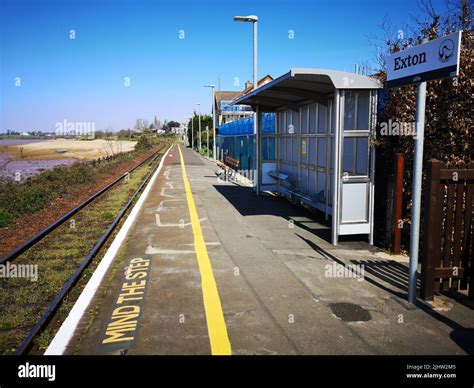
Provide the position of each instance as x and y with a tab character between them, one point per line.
435	59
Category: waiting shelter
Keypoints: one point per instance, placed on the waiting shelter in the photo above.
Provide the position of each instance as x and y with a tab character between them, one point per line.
320	152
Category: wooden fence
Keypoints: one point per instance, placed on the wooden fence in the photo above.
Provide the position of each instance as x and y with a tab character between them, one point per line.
447	248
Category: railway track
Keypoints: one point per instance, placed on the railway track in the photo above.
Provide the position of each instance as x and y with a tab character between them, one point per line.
56	251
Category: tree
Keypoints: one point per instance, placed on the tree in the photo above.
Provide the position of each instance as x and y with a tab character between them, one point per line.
172	124
141	125
156	123
128	133
448	116
206	120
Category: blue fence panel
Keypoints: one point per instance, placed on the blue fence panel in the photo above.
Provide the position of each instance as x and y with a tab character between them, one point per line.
245	126
236	139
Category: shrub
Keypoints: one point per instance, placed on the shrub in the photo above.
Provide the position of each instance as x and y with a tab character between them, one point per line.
5	218
145	143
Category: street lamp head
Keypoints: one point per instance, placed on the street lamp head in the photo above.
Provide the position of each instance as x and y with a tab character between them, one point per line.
249	18
209	86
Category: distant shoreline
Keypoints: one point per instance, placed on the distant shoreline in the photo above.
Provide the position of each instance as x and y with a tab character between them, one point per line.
9	141
24	158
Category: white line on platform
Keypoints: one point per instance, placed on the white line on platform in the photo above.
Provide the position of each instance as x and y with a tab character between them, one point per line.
165	195
153	250
170	225
62	338
161	204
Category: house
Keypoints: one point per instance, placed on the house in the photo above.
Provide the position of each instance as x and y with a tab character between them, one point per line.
181	130
222	100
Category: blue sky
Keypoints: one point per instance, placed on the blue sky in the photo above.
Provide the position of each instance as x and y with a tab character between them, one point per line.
82	79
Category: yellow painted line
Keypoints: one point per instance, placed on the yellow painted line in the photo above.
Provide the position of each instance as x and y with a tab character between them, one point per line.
220	344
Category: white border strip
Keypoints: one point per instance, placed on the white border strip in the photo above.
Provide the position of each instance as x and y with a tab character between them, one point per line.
62	338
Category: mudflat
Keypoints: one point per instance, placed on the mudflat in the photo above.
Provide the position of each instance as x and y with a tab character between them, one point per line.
77	149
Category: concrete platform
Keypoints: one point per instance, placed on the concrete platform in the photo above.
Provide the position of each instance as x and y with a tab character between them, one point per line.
278	280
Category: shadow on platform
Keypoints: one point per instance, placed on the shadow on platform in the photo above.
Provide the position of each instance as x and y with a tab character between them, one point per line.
247	203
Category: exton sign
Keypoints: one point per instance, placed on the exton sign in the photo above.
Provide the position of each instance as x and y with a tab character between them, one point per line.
435	59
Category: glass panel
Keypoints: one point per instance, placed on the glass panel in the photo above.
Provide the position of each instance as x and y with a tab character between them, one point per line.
331	177
304	150
312	182
362	153
363	111
282	148
349	110
295	149
251	148
271	148
320	197
304	120
331	152
322	152
312	151
269	122
304	180
288	121
281	122
348	155
272	122
264	148
288	149
312	118
329	115
244	152
295	121
322	119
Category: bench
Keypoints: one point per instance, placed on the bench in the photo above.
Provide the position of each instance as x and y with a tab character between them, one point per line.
229	166
285	182
278	175
232	163
297	194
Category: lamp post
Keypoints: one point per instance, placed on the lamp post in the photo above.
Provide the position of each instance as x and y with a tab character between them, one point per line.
254	19
207	133
187	134
192	131
213	123
199	113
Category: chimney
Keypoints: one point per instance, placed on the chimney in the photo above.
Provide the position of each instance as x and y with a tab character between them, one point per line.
248	84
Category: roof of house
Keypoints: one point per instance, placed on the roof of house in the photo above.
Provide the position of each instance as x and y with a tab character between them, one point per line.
226	96
230	96
262	81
